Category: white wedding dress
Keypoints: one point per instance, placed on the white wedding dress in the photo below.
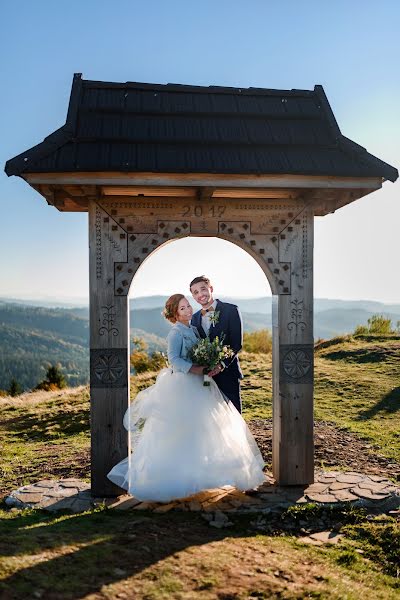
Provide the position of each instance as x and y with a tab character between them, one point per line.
185	438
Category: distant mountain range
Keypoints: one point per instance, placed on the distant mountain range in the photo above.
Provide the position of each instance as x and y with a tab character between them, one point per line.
33	336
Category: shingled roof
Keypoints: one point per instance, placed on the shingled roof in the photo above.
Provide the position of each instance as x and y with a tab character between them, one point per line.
139	127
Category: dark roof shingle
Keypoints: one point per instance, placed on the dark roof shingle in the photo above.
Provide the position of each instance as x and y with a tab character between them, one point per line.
190	129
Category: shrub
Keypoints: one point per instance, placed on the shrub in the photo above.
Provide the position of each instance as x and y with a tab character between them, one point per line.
361	330
15	389
259	342
55	379
377	325
141	361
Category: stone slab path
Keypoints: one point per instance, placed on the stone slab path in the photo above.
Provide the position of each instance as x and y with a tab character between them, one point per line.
330	488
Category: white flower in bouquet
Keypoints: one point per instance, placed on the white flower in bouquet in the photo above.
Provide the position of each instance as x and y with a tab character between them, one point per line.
209	353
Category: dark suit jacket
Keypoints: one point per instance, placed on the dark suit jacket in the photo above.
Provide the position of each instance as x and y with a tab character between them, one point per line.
229	324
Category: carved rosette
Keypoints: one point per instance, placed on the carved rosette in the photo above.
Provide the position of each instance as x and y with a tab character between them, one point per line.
108	367
296	363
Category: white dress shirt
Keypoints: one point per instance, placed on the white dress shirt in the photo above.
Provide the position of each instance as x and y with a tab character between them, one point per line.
205	319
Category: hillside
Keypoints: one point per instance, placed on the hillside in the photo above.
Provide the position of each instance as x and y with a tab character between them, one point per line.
357	403
31	337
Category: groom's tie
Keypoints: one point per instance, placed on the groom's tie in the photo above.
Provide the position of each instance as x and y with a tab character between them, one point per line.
204	311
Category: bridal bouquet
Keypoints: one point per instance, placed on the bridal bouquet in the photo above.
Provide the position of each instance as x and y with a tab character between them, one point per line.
209	353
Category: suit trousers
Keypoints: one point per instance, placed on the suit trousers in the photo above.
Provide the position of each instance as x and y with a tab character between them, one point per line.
230	387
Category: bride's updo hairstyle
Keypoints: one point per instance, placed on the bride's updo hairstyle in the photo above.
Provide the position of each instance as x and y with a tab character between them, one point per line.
171	307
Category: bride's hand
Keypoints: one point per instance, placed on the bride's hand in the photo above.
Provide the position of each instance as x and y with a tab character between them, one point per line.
215	371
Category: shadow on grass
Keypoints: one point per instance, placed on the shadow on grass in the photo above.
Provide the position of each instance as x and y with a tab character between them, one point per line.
374	354
40	426
114	547
74	555
389	404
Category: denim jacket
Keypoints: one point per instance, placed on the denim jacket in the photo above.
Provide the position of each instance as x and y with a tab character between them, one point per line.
180	340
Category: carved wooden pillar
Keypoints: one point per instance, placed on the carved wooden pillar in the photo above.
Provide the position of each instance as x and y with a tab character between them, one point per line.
109	351
293	350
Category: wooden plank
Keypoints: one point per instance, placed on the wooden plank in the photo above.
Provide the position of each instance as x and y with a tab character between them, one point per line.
254	193
148	191
206	179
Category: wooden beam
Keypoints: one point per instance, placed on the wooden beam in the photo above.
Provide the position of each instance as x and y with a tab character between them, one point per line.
254	193
204	179
182	192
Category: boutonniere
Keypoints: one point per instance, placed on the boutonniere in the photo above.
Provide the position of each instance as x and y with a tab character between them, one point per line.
214	317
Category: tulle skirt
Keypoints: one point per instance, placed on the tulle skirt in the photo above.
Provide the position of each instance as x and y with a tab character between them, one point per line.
186	437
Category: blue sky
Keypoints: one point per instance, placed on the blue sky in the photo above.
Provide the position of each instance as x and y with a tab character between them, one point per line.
351	48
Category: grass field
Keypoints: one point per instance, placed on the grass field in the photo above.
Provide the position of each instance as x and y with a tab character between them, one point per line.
106	554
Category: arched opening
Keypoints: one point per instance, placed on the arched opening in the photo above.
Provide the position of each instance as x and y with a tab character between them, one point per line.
235	275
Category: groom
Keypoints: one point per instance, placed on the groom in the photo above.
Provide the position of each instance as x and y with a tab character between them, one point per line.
227	374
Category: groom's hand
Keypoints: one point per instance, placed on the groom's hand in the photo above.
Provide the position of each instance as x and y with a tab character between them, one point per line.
216	370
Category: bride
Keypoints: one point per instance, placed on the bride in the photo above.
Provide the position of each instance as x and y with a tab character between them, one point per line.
185	437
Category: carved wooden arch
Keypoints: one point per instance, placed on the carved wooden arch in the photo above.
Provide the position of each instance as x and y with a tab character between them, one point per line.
278	234
136	238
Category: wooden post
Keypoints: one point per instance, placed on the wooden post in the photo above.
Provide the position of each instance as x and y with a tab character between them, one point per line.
109	352
293	350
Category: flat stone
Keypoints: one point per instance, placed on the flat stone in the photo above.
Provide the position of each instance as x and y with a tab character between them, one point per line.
378	478
327	537
80	506
64	494
316	488
28	497
350	478
124	503
327	475
194	505
80	485
337	485
54	504
166	507
146	506
208	494
374	486
45	483
390	489
323	498
368	494
345	496
14	502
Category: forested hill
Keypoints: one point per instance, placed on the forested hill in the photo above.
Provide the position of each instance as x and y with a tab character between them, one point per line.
33	337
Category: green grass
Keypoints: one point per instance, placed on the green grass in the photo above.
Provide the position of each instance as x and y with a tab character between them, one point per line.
178	556
109	554
356	387
47	433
